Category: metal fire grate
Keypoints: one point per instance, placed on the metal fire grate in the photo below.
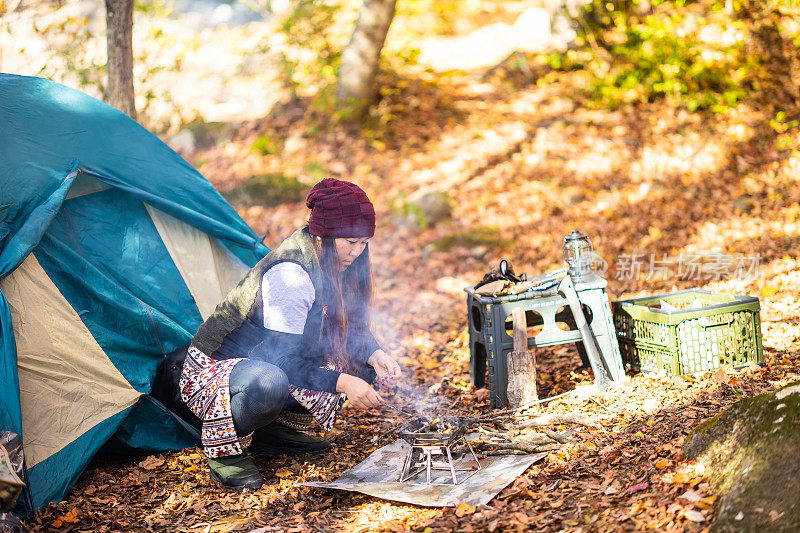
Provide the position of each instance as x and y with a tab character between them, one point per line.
431	449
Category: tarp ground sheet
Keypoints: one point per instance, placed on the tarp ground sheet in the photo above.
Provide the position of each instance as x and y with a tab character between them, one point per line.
113	249
377	475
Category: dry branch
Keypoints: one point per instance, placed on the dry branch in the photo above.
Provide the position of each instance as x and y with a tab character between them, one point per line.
487	447
558	437
552	419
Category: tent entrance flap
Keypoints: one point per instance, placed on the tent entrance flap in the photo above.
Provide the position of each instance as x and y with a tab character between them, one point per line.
85	184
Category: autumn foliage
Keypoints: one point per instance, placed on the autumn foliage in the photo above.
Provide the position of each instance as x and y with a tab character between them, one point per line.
648	161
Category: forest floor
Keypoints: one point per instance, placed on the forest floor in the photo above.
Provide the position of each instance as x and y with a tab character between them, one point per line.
524	163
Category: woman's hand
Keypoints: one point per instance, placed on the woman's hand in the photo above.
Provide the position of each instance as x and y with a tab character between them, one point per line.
360	393
385	366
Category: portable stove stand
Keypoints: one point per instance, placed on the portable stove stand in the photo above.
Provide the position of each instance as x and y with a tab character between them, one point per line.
491	344
430	447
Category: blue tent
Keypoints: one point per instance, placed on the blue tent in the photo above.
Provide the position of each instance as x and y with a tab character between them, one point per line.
113	249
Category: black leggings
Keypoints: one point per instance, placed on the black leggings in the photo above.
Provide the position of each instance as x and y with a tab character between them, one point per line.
259	392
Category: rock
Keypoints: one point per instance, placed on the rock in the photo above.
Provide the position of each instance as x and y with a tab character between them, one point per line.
750	453
432	206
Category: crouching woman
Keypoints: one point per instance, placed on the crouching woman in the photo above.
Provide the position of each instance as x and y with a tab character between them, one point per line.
290	343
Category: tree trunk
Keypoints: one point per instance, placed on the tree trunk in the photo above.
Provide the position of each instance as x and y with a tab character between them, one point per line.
119	30
356	84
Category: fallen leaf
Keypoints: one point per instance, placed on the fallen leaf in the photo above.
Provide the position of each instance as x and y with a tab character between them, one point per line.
690	496
522	518
283	472
481	394
694	516
637	488
680	477
769	290
720	376
662	464
152	462
464	509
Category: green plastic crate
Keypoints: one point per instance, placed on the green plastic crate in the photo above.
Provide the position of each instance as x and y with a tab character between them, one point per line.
724	330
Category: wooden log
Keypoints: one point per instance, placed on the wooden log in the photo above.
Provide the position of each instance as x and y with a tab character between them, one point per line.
521	365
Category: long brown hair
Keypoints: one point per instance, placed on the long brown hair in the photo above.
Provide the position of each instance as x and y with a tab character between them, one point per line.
346	298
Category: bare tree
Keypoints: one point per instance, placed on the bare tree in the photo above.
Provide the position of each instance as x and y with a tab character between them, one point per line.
119	31
359	67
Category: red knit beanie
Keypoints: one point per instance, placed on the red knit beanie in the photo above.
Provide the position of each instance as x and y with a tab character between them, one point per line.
340	209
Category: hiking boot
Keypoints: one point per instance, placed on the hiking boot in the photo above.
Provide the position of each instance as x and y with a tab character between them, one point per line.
235	472
277	439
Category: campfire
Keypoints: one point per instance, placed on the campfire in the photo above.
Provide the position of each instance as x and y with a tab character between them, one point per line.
432	442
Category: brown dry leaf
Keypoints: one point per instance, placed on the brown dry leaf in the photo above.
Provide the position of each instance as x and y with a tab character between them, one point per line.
70	516
661	464
152	462
680	477
690	496
638	488
522	518
284	472
464	509
720	376
481	394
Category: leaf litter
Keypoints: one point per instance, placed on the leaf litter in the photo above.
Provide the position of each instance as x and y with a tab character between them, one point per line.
534	163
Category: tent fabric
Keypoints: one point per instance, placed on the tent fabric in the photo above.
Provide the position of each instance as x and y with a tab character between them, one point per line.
113	249
208	269
82	387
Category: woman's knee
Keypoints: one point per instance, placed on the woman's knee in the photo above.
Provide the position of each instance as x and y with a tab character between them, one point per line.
262	382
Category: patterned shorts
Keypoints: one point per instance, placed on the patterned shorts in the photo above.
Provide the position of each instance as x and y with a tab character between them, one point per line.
205	388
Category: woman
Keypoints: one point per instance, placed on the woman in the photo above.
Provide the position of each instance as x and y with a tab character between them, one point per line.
290	343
